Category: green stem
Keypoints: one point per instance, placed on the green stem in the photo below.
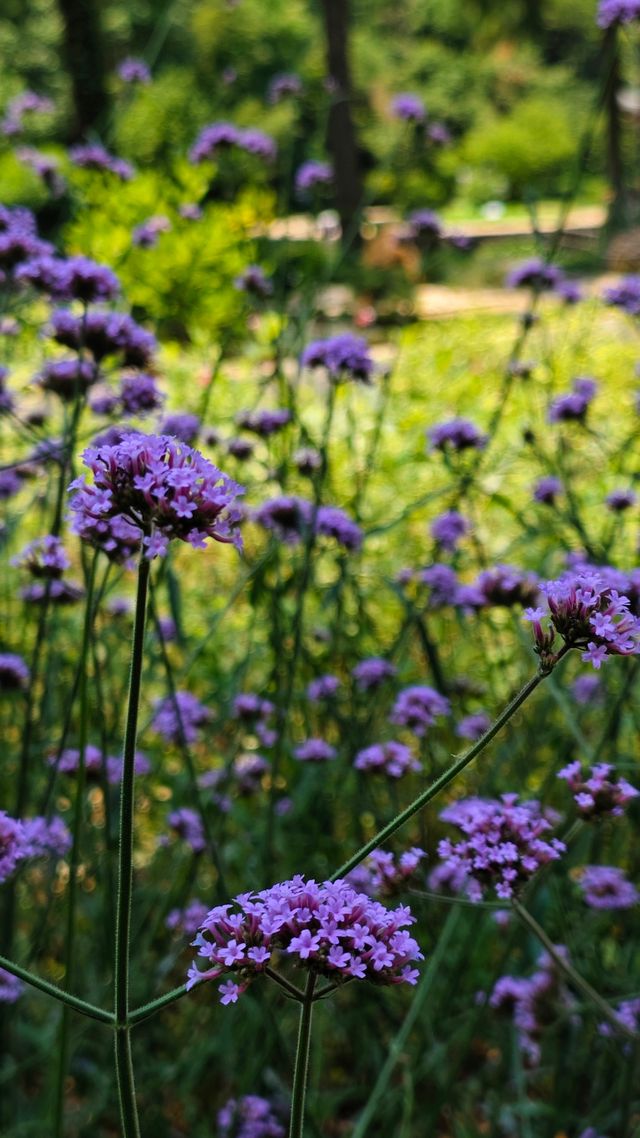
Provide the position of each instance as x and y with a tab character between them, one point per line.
301	1069
447	776
124	1066
574	977
73	1002
146	1010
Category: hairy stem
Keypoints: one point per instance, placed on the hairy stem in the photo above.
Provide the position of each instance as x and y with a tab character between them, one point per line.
301	1068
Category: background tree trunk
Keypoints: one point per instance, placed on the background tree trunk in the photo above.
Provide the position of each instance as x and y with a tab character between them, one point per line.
341	136
83	49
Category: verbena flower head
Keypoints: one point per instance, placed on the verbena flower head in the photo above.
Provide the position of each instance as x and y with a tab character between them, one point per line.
535	273
418	707
447	529
188	826
408	107
344	357
456	435
606	887
502	845
44	557
95	157
384	873
324	687
597	791
425	225
473	726
14	672
284	86
249	1117
533	1002
504	586
96	763
12	844
617	12
588	614
182	425
68	379
11	988
625	295
264	423
179	718
370	673
439	134
146	235
223	135
104	334
587	689
312	174
133	70
392	759
546	490
619	500
162	487
315	751
574	406
326	928
254	282
188	919
333	522
628	1015
139	394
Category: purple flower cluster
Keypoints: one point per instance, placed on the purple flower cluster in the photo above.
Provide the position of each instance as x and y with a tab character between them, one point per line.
315	751
290	519
255	712
133	70
533	1002
619	500
94	157
457	435
224	135
95	762
180	717
448	528
312	174
182	425
162	487
324	687
473	726
392	759
408	107
573	407
44	557
104	334
595	791
27	102
254	282
606	887
146	235
45	166
628	1014
264	423
617	12
370	673
14	673
187	920
384	873
546	490
187	825
138	394
284	86
10	987
327	928
588	614
535	273
418	707
503	844
19	241
249	1117
625	295
33	837
344	357
503	586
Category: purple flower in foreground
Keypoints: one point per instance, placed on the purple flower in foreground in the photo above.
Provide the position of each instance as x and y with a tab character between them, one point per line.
617	12
14	673
344	357
180	717
11	988
249	1117
588	614
392	759
457	435
606	887
597	791
326	928
315	751
418	707
133	70
312	174
408	107
162	487
502	845
448	528
370	673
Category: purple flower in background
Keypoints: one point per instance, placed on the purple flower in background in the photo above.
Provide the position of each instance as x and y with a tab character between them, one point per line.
439	134
575	404
307	461
11	988
384	873
14	673
344	357
619	500
133	70
327	928
188	920
45	166
161	486
287	517
312	174
449	528
408	107
325	687
6	398
27	102
315	751
188	826
625	295
251	707
104	334
139	394
532	1002
597	791
418	707
249	1117
370	673
67	378
606	887
586	689
504	586
456	434
258	143
288	85
628	1014
216	136
425	226
241	449
546	490
333	522
535	273
253	281
95	157
617	12
43	557
392	759
146	235
44	836
568	291
502	845
12	844
181	425
472	727
264	423
179	718
588	614
190	211
442	582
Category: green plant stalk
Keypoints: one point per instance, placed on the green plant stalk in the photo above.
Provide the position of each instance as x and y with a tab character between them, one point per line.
301	1068
447	776
74	860
573	977
73	1002
124	1064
